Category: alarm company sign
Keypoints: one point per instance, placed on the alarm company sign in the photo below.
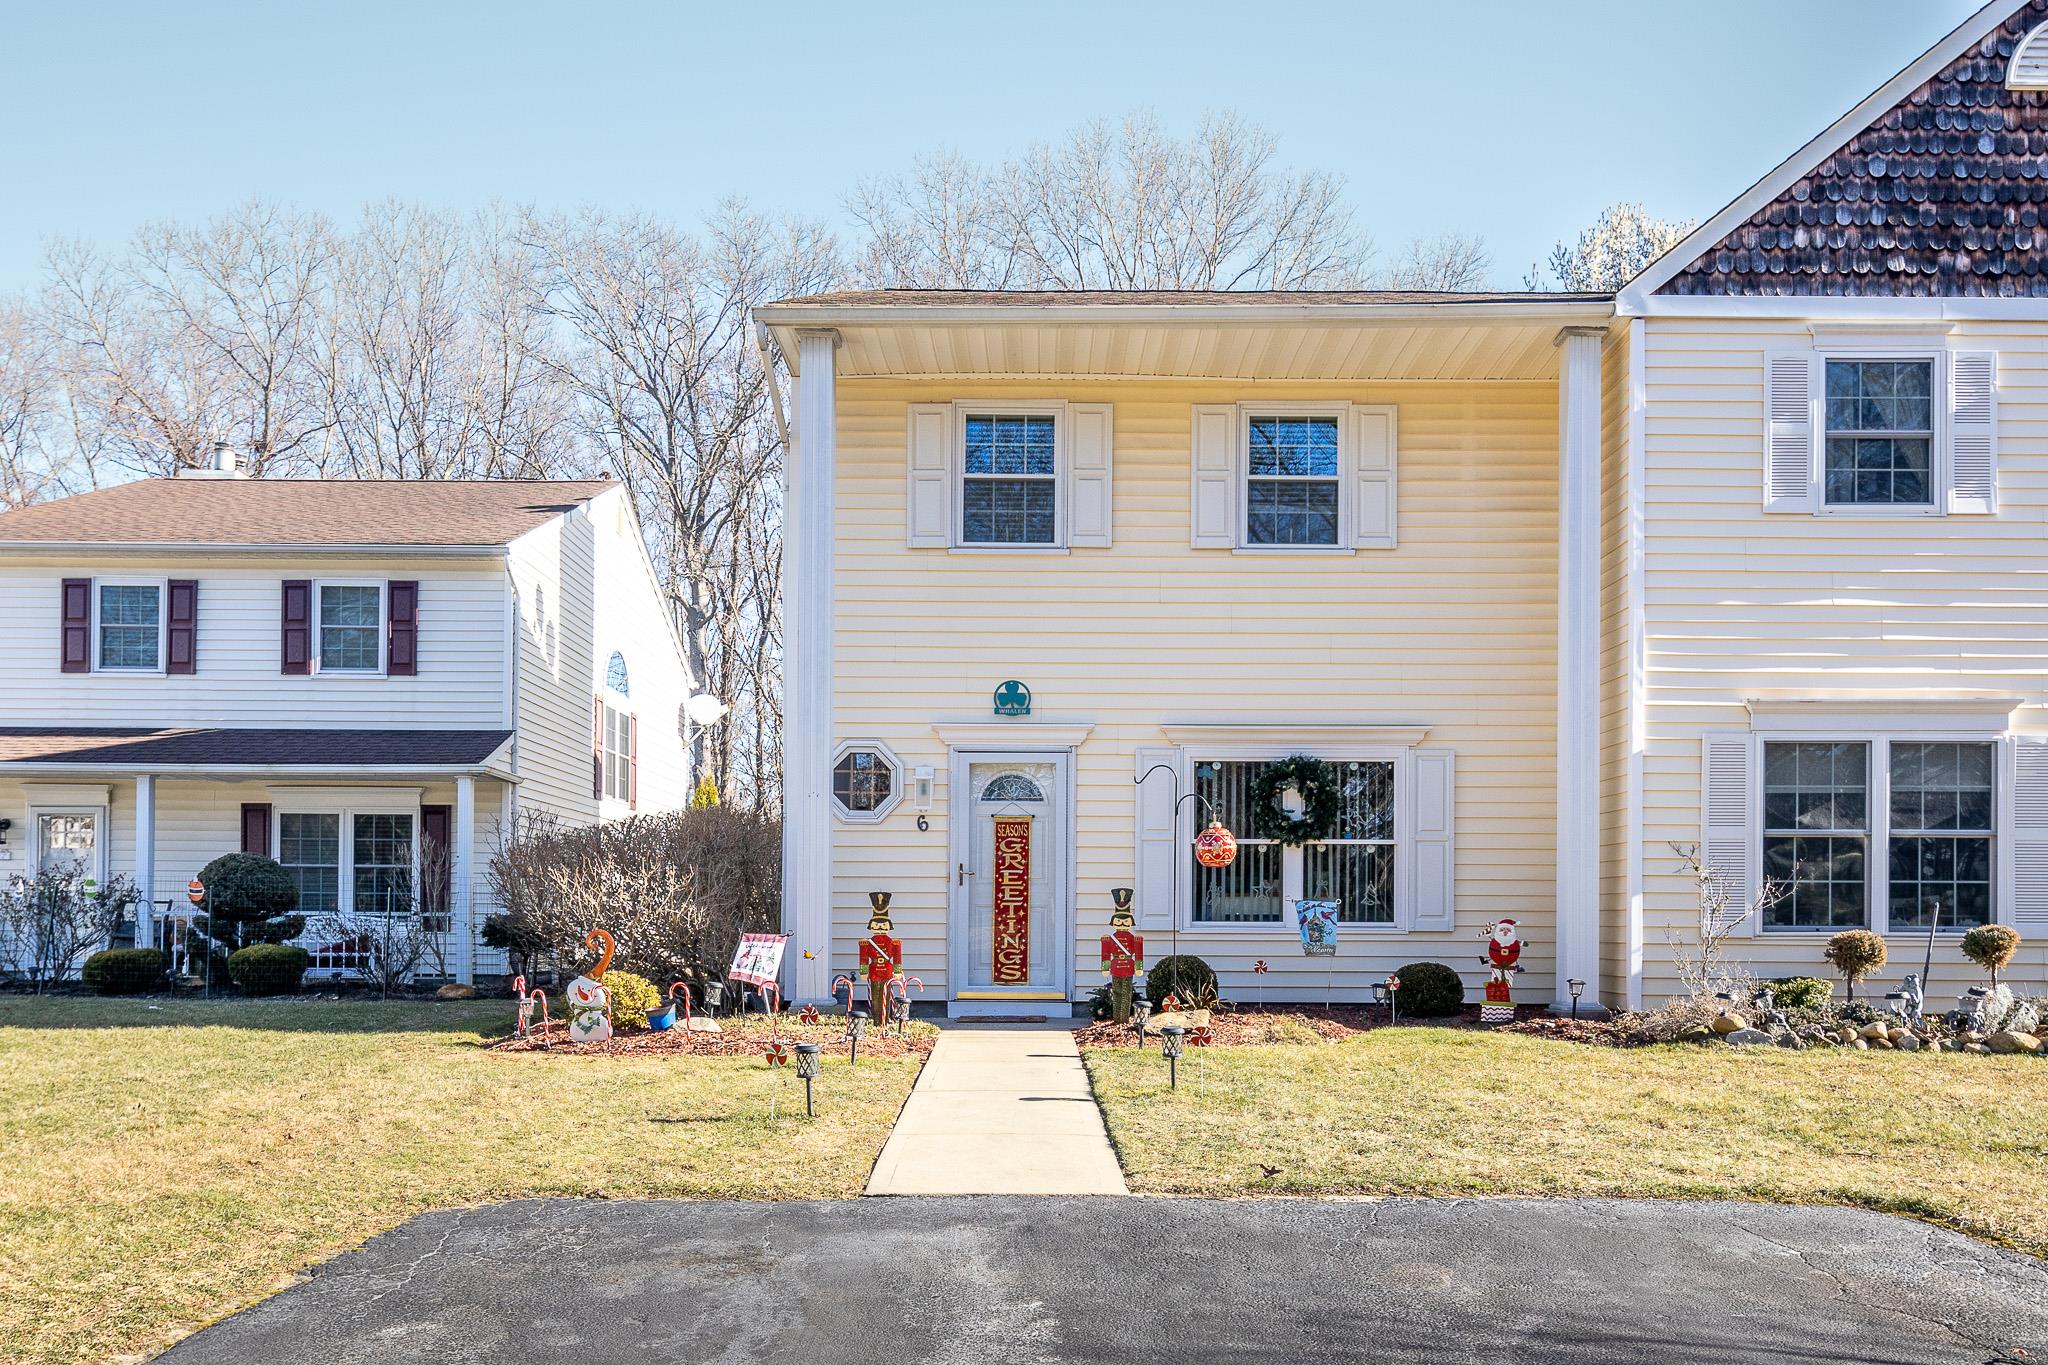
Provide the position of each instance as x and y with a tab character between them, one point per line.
1013	699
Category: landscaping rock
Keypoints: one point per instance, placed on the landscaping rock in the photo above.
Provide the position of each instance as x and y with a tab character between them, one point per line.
455	990
1988	1010
1746	1037
1876	1031
1951	1045
699	1024
2008	1043
1698	1033
1860	1044
1908	1042
1849	1034
1791	1040
1729	1023
2023	1018
1978	1049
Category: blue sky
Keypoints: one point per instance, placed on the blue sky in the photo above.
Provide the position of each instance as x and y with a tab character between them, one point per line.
1516	120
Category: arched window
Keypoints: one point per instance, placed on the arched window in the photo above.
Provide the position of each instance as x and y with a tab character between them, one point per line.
2029	69
615	674
1012	787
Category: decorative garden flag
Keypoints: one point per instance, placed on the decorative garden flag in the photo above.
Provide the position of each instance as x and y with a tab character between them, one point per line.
759	959
1318	920
1012	909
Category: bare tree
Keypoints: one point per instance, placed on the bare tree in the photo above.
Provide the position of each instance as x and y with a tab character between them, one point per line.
672	389
1123	206
34	457
1447	262
1614	250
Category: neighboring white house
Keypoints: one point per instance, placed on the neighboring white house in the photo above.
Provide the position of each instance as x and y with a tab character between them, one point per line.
1746	557
335	673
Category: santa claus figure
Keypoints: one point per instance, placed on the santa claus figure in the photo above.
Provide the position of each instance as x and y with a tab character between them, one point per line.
1123	954
1503	954
881	953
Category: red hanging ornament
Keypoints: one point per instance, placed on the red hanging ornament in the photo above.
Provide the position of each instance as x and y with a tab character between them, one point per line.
1215	846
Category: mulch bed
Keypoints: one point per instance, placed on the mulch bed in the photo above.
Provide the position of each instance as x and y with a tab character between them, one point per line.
736	1039
1296	1024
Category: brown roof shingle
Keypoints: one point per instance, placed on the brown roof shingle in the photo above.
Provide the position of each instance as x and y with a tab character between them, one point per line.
1043	298
339	512
231	748
1945	194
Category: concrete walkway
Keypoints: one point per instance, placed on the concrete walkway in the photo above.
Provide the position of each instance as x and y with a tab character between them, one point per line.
1000	1109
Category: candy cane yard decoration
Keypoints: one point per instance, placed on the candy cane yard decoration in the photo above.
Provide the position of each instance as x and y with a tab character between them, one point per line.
899	1002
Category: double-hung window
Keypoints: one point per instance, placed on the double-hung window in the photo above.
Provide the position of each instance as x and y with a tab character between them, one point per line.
618	753
380	870
1354	866
129	633
1293	465
359	862
350	627
309	848
1877	449
1883	833
1009	478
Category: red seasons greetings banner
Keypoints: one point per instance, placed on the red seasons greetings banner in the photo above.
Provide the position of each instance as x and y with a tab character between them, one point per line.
1012	901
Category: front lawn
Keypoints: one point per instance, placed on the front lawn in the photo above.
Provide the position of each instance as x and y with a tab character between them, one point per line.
1961	1141
164	1164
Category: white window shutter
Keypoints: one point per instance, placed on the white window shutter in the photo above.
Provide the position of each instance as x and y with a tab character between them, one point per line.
1729	842
1434	888
1375	480
2026	909
1158	841
1091	431
930	511
1973	431
1791	433
1212	509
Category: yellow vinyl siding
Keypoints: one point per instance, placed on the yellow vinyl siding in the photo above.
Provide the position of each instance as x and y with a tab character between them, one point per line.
1455	629
1614	671
1739	602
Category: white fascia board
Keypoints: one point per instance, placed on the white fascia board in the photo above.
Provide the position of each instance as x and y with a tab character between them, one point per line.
230	773
1805	307
158	548
1788	172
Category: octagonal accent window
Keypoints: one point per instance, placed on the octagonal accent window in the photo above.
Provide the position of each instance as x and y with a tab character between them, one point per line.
867	782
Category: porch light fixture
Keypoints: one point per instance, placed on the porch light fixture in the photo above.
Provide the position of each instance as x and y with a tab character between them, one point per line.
1172	1038
1577	988
807	1071
856	1029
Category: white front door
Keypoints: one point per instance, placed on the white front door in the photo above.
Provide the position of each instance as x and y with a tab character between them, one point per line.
1011	923
67	840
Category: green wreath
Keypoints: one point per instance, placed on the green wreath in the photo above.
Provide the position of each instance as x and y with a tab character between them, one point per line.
1322	800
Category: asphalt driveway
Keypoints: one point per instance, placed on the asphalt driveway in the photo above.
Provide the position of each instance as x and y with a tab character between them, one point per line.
1019	1280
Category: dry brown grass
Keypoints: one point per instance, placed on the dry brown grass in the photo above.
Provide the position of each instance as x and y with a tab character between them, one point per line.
160	1167
1960	1141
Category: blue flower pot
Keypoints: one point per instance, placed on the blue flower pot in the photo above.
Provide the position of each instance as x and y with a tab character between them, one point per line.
663	1018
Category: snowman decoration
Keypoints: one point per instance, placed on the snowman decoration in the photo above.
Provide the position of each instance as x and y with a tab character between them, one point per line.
1503	953
590	1003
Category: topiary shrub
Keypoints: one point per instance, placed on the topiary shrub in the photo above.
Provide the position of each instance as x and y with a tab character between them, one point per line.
1856	953
1991	946
268	968
124	971
1186	978
249	900
1802	992
1430	990
632	997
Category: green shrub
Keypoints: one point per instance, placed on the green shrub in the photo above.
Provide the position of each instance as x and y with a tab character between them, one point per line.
267	968
1856	953
1991	946
1430	990
249	900
632	997
1186	978
124	971
1802	992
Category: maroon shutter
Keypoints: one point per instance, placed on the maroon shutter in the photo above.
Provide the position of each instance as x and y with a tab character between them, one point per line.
181	638
597	750
437	843
295	637
632	724
402	638
256	828
76	656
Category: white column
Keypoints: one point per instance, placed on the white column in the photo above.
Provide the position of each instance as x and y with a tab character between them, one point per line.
461	865
1578	666
145	858
807	670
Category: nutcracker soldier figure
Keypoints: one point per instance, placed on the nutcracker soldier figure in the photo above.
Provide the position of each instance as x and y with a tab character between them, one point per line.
1503	952
881	953
1123	954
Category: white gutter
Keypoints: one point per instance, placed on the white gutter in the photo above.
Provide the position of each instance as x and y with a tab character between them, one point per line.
227	772
872	314
181	547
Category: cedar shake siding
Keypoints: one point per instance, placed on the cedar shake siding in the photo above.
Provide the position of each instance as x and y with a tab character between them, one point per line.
1945	195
